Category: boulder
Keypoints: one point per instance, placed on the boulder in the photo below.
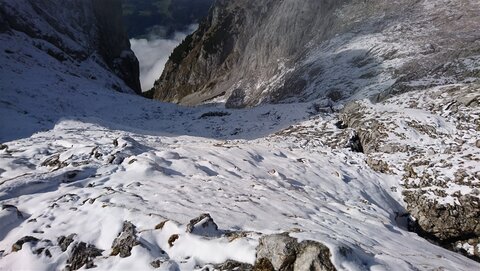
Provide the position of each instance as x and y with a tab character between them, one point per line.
283	253
65	241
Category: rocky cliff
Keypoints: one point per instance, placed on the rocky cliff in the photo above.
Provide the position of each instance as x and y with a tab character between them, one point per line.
248	52
75	32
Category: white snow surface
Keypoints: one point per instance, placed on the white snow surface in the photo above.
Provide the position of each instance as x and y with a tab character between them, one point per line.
130	159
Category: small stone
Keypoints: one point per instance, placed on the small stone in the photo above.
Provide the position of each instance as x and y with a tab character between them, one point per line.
161	225
172	239
477	144
54	161
156	263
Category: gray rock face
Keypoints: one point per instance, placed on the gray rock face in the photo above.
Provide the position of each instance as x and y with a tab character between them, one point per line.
248	52
282	252
125	241
75	31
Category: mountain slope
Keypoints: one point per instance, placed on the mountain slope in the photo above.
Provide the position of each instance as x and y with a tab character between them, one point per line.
73	33
249	52
93	177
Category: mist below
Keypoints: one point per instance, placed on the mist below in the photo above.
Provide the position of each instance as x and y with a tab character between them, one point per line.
153	53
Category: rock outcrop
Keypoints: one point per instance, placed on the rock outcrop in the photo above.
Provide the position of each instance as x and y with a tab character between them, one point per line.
76	31
126	240
82	255
435	162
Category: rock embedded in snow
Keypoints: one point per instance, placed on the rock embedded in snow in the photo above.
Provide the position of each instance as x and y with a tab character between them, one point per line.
160	260
65	241
82	255
232	265
125	241
172	239
26	239
160	225
54	161
203	225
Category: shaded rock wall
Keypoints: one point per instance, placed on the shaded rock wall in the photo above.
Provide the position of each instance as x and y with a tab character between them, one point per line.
76	30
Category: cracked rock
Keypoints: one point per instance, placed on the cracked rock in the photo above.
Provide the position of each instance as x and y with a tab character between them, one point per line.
125	241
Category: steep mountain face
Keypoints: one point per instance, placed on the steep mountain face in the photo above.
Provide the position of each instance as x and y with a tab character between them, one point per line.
162	17
75	32
248	52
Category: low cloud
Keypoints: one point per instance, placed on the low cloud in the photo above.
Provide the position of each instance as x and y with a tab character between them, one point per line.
153	53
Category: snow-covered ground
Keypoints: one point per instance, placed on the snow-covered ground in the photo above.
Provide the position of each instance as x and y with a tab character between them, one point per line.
79	158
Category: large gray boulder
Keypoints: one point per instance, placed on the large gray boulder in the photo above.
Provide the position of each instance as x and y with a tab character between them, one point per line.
283	253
